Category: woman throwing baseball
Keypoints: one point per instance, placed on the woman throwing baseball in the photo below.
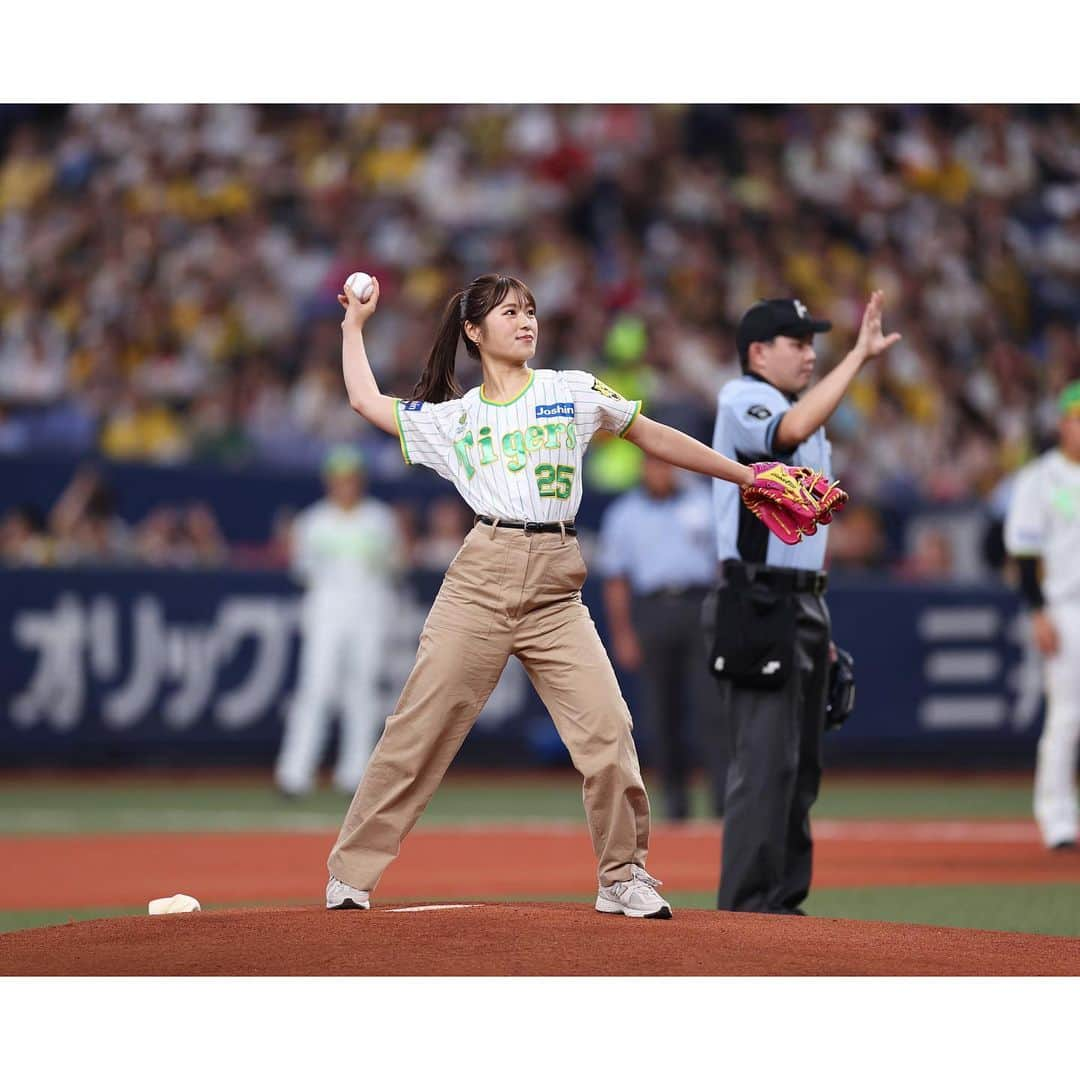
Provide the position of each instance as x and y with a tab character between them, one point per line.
513	448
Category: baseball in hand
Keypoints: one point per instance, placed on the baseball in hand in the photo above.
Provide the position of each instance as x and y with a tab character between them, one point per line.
173	905
359	284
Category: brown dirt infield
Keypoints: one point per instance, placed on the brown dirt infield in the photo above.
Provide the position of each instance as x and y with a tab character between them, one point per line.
447	865
520	939
120	870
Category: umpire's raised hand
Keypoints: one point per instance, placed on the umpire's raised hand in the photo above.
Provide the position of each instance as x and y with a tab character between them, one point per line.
872	340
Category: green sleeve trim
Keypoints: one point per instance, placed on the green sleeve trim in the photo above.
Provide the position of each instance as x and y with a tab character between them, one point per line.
401	431
633	417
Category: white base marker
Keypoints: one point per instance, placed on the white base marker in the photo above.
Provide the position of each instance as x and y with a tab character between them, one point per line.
432	907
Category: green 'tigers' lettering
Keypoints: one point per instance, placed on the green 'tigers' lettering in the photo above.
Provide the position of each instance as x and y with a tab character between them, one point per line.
553	433
513	444
487	447
516	446
1064	500
461	448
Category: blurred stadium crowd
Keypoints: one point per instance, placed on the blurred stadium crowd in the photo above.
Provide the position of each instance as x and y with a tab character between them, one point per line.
168	275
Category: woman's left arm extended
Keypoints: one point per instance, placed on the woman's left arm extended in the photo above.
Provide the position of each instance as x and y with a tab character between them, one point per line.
677	448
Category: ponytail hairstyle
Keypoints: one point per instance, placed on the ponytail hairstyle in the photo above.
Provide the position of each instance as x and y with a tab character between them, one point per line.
437	383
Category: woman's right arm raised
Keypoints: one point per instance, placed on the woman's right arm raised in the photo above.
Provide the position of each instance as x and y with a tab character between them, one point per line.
364	394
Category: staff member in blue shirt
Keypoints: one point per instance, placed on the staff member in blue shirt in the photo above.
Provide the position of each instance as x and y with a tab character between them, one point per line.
658	555
767	626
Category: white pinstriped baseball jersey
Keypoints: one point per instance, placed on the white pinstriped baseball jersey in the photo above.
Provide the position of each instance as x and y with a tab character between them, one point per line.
518	460
1044	520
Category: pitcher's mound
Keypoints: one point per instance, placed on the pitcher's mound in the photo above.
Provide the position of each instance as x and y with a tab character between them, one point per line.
520	939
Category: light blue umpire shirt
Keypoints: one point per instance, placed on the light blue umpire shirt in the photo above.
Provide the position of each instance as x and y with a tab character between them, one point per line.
660	543
747	417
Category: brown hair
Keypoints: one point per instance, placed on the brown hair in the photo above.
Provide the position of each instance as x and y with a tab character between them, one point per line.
472	304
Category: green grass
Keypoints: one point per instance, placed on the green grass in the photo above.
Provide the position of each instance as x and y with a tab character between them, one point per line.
25	920
179	806
1031	909
945	799
187	806
1048	908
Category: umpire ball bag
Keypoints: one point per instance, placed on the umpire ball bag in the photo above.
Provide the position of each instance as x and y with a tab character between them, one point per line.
750	635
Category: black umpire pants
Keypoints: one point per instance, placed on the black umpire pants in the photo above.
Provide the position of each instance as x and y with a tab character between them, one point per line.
775	773
676	686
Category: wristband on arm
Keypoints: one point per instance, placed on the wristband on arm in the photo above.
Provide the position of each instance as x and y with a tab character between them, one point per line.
1030	589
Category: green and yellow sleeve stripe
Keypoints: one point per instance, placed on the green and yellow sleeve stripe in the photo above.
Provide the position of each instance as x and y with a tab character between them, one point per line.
401	431
633	417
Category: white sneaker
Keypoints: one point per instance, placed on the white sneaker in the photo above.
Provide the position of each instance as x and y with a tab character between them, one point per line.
637	897
340	896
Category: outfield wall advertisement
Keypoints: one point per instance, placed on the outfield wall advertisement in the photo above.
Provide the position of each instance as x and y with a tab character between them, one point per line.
114	667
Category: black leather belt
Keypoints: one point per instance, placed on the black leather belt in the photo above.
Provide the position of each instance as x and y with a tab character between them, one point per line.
776	577
529	526
671	592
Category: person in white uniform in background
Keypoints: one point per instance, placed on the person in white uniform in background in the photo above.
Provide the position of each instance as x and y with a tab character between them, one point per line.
1043	524
346	549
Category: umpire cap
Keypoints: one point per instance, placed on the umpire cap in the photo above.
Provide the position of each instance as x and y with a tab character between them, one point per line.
771	318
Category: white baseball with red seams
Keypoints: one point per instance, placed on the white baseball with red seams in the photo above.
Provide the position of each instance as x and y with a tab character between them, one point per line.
360	285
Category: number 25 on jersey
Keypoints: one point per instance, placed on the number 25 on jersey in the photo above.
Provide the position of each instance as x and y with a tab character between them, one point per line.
554	482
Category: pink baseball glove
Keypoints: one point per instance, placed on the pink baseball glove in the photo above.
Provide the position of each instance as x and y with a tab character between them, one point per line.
791	500
827	494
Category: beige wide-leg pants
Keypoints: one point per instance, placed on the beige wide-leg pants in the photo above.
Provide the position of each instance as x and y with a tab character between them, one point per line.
506	593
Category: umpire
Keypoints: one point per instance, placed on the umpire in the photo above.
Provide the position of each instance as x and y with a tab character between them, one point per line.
767	625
